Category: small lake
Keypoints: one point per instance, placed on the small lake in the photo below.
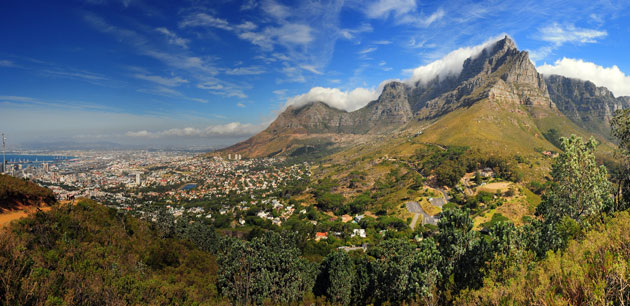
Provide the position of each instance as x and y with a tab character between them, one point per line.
189	186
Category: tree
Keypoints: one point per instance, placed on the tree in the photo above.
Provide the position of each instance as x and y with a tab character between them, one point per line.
620	125
463	253
580	187
268	268
336	277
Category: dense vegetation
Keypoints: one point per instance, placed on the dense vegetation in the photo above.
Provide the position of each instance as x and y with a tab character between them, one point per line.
451	163
14	191
91	255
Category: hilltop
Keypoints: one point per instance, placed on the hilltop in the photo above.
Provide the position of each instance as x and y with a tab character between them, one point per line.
16	193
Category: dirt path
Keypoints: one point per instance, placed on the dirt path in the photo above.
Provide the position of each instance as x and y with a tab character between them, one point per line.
7	217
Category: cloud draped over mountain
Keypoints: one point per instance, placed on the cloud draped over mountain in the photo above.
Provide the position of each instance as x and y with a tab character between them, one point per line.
334	97
351	100
449	65
610	77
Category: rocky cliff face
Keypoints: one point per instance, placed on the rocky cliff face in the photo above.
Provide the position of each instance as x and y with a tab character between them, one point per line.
587	105
500	71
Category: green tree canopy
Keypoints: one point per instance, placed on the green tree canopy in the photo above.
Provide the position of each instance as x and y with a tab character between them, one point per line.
580	187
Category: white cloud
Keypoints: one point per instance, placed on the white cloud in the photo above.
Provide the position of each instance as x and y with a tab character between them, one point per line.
241	105
226	90
248	5
334	97
171	82
203	19
439	14
231	129
559	35
368	50
610	77
352	33
311	68
382	42
414	19
253	70
292	33
280	92
173	39
384	8
275	9
293	74
449	65
247	26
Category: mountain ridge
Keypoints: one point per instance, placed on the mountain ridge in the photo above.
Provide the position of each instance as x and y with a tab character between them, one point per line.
499	73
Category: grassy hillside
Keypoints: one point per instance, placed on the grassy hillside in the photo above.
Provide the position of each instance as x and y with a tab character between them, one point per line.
16	193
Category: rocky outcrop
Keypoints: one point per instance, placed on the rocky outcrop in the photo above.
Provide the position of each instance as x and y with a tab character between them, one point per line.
586	104
500	71
389	111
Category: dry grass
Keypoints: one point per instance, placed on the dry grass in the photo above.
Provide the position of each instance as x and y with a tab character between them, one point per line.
494	187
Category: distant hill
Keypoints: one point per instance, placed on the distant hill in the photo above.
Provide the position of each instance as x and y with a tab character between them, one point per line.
498	103
15	193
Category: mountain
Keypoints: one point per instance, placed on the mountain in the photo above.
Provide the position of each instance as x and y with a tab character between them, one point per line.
589	106
497	102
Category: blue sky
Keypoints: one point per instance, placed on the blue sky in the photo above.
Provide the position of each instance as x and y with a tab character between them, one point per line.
209	73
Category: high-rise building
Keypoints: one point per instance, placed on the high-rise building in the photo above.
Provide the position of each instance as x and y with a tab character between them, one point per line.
138	179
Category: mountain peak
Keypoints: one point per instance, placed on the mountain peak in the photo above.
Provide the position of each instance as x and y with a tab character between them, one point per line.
506	43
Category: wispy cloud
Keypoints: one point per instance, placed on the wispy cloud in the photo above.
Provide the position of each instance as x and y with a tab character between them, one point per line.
144	46
170	92
385	8
74	74
171	82
222	88
252	70
300	37
559	35
6	63
311	68
368	50
173	39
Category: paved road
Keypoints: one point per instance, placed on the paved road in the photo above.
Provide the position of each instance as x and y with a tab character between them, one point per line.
416	209
414	221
